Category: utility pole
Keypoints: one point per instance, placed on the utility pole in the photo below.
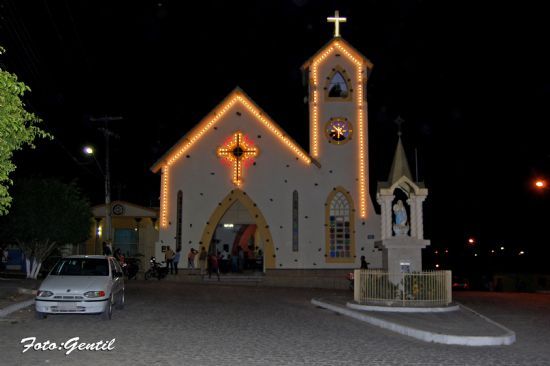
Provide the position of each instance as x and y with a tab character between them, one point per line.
108	212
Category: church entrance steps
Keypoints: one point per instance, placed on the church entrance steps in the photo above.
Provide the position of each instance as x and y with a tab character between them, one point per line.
237	279
306	278
193	275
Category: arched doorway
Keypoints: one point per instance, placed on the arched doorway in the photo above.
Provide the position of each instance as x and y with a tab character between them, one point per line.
249	228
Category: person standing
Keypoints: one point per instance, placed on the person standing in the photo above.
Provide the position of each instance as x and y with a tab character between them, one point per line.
240	254
191	258
225	260
107	248
117	254
364	263
202	260
169	259
176	260
4	259
213	266
235	261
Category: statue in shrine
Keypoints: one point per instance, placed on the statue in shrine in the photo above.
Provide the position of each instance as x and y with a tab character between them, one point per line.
400	226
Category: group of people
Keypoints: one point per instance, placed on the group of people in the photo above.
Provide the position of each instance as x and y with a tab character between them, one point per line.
172	259
117	253
223	262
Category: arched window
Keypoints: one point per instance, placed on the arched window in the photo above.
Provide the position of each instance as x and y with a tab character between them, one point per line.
179	218
340	226
295	216
338	87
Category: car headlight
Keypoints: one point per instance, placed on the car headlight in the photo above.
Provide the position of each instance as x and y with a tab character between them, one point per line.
44	293
94	294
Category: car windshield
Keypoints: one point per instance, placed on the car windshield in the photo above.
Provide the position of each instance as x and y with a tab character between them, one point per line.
81	267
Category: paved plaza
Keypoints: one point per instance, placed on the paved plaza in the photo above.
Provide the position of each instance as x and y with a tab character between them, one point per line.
175	323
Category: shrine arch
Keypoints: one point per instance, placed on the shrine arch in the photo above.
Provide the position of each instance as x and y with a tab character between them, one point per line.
255	212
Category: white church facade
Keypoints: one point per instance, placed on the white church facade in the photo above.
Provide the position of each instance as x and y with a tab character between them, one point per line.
237	179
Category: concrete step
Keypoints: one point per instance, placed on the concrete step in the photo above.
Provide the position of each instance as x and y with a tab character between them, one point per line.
235	278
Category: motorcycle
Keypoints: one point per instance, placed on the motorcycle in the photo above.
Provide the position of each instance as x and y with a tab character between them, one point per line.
130	269
155	270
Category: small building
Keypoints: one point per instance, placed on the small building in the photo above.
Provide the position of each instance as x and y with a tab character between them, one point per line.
134	229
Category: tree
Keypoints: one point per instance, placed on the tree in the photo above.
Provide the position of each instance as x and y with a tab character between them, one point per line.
44	214
18	127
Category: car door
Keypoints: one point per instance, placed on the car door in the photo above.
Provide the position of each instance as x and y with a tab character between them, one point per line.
116	281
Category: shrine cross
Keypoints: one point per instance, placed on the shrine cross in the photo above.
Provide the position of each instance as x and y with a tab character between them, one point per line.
399	121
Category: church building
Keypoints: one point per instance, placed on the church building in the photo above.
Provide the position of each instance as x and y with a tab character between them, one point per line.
238	180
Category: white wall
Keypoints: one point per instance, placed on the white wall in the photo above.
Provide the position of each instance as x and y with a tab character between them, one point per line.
205	181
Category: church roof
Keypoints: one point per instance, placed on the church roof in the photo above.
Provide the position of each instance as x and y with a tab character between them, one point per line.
236	96
341	44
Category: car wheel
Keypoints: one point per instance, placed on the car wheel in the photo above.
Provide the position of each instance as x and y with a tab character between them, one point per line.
108	312
39	315
121	299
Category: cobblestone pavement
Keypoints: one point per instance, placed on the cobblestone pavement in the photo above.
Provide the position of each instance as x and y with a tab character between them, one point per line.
171	323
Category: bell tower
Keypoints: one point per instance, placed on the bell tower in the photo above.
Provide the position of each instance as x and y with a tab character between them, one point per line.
337	76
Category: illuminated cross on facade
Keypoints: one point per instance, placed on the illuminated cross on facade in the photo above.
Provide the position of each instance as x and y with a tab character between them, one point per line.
237	151
336	20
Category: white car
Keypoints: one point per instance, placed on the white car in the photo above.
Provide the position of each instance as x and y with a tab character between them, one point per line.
82	284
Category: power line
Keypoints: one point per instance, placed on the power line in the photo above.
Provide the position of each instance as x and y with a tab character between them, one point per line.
12	27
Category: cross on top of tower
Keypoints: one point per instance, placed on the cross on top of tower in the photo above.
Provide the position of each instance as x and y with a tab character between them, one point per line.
399	121
336	19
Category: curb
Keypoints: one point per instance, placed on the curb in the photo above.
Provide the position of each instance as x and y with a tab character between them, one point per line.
19	305
506	339
14	307
388	309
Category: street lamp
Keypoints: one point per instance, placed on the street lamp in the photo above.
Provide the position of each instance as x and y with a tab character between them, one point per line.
540	184
88	150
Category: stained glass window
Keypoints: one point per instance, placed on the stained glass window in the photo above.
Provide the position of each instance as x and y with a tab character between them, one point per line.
339	227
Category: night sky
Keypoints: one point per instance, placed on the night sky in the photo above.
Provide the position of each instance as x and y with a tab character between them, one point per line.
471	81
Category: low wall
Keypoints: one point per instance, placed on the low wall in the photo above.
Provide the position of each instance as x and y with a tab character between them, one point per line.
311	278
